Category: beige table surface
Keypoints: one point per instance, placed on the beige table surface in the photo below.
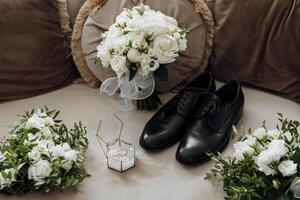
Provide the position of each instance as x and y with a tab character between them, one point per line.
156	176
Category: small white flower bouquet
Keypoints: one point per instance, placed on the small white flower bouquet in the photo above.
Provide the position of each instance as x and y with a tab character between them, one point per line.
41	154
136	46
265	164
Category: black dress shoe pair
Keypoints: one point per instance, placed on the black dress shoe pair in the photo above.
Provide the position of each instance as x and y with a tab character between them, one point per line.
199	117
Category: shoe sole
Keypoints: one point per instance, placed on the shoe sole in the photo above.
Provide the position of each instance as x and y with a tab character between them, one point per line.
206	158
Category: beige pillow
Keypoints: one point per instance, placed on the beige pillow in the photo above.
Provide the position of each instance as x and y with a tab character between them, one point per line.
189	65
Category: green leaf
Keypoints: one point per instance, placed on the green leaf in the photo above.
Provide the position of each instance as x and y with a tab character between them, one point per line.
132	73
284	196
296	156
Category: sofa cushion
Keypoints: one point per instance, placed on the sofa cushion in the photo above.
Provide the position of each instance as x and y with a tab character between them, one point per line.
191	63
35	53
258	42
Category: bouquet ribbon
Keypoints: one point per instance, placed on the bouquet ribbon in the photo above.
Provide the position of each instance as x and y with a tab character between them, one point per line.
138	88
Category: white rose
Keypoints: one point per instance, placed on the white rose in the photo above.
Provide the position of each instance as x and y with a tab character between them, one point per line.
67	165
46	132
32	138
39	171
118	65
287	168
274	133
4	182
263	160
133	55
57	151
260	133
38	122
244	147
48	121
2	157
66	147
70	155
40	113
44	146
34	154
34	122
277	149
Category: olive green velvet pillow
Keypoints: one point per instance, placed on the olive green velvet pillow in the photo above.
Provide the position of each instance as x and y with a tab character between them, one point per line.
35	51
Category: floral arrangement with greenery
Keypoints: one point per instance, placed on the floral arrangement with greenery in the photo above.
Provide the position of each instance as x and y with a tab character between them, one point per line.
136	47
42	154
265	164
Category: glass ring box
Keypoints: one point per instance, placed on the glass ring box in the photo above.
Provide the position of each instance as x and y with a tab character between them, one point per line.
120	154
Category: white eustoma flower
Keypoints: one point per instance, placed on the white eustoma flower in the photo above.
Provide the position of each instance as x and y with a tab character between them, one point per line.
44	146
118	65
46	133
263	160
39	170
66	147
4	182
287	168
57	151
34	122
40	113
244	147
48	121
32	138
260	133
274	133
275	151
38	122
34	154
2	157
66	165
71	155
154	65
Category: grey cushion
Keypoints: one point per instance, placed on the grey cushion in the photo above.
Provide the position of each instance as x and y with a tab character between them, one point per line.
187	66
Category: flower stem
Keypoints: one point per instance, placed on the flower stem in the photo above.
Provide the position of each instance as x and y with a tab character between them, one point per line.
149	104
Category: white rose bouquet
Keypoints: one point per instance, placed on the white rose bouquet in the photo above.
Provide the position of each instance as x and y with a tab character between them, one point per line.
265	164
136	46
41	154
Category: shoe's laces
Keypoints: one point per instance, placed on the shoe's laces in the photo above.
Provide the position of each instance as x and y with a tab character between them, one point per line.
187	96
215	115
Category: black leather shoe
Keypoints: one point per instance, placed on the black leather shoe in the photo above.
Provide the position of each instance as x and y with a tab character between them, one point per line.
212	132
163	129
